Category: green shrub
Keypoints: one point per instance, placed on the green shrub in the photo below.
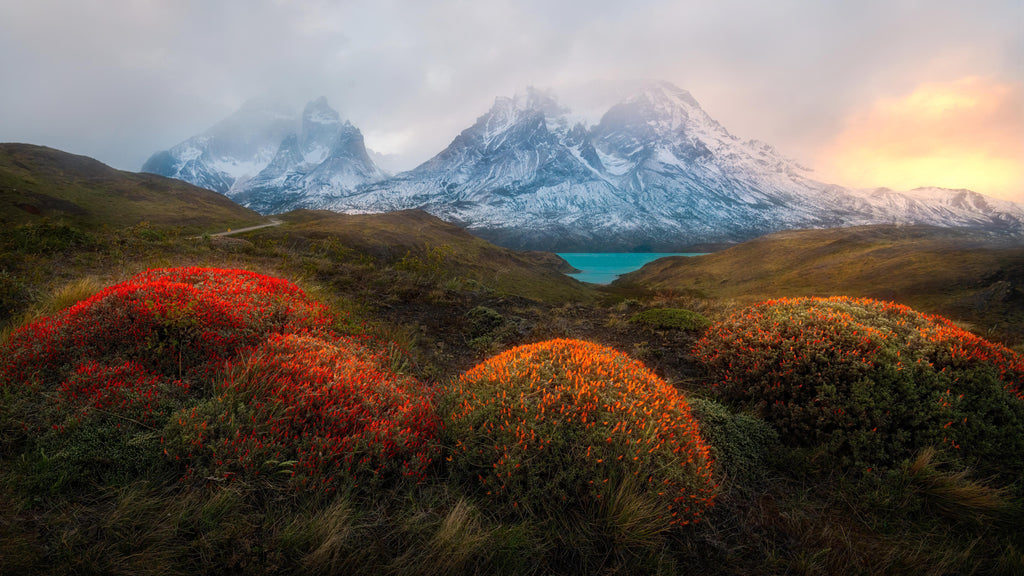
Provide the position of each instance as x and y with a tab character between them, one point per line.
743	445
671	319
43	237
871	382
483	321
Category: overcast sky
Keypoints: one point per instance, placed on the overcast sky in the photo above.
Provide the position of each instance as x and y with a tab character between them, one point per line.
897	93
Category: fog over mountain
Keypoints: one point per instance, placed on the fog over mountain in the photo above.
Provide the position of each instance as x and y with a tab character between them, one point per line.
657	172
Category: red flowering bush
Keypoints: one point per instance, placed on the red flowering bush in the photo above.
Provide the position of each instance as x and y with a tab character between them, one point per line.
111	387
873	382
570	425
127	389
327	407
176	322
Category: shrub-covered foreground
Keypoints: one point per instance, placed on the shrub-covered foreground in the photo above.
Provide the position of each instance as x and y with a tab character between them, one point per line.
202	421
203	387
873	382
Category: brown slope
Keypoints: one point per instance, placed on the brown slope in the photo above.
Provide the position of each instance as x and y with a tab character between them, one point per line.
38	182
965	275
417	241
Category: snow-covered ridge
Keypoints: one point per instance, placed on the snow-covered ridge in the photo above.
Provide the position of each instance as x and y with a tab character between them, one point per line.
655	173
271	160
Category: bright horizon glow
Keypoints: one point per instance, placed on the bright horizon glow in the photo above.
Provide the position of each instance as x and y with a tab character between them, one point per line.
968	133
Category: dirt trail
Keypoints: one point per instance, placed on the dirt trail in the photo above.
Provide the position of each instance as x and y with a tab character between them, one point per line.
273	222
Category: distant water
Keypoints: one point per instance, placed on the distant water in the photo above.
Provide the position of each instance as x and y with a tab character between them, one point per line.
604	267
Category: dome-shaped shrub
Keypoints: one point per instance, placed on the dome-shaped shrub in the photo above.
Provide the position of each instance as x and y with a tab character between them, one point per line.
873	382
176	322
569	424
326	406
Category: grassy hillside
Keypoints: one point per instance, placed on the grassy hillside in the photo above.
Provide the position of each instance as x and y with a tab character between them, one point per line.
417	241
38	182
964	275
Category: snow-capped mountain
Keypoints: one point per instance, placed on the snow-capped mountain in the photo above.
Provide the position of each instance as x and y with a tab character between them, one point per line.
232	151
656	173
326	157
515	172
277	162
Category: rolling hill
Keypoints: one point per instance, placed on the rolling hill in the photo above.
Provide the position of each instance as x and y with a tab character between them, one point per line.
415	241
973	276
37	182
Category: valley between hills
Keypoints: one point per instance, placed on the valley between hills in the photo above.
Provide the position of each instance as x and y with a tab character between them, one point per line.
417	301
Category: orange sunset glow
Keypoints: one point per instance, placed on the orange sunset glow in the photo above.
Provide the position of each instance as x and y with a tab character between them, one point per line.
963	134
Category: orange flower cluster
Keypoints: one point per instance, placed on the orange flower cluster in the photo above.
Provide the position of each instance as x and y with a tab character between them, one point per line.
873	379
848	331
571	420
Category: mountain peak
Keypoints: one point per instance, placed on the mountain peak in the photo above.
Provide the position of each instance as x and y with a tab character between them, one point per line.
528	103
664	105
320	112
661	93
661	111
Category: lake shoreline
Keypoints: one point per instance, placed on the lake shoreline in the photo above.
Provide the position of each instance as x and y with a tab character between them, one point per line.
603	268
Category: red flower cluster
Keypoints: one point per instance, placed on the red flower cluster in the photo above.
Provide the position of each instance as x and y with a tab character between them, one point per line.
250	351
176	322
573	420
325	406
127	389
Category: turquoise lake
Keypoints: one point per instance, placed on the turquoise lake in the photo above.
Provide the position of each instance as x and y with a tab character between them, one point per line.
604	267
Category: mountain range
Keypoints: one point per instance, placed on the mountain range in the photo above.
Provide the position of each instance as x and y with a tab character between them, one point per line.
266	159
656	173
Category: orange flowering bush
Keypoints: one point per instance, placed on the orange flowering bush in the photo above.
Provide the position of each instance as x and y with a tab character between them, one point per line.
115	386
569	424
872	381
325	406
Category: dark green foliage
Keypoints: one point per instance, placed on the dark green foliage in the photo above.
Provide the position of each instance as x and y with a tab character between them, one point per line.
671	319
15	295
43	237
103	450
483	321
743	445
